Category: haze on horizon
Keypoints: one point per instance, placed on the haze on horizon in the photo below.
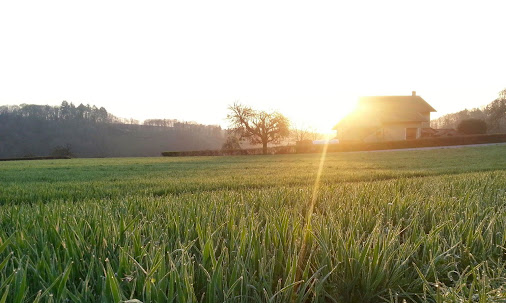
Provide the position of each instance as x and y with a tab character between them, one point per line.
309	60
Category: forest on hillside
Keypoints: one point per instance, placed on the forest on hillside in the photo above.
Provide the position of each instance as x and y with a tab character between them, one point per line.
494	115
88	131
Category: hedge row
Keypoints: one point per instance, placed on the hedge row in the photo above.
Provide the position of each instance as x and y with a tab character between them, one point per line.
423	142
232	152
33	158
347	147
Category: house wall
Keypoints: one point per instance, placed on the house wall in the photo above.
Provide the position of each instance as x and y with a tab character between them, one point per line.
395	132
354	134
389	132
426	124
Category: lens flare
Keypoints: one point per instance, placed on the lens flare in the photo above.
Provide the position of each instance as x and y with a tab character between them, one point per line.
307	224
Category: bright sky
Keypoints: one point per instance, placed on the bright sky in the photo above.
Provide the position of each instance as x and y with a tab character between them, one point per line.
310	60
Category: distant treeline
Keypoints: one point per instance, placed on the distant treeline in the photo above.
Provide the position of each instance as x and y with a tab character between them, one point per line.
29	130
494	114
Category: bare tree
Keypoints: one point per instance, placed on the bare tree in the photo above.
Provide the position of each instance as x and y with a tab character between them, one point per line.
496	113
502	94
258	127
301	132
232	141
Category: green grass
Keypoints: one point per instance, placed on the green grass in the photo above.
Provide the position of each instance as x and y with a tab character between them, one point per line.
420	226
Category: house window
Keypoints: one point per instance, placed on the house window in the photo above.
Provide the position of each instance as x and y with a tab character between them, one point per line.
411	133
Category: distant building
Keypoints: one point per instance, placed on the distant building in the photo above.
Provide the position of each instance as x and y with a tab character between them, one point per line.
386	118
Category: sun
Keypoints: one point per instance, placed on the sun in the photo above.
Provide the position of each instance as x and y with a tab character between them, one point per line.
321	117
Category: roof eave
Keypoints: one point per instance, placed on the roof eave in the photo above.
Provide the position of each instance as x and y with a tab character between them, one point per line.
432	109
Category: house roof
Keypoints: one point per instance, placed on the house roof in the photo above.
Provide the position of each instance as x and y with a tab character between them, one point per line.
376	110
411	103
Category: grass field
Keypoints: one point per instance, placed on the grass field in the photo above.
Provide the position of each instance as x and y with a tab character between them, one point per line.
420	226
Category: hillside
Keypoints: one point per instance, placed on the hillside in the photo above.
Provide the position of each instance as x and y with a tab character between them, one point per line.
35	130
494	114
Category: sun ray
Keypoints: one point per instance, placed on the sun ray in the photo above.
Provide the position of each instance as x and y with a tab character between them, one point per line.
302	259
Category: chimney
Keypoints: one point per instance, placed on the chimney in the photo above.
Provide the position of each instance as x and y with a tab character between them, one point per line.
413	94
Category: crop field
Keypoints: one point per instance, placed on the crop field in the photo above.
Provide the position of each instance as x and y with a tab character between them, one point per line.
404	226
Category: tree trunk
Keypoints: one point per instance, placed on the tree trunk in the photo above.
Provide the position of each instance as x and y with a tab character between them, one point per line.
264	148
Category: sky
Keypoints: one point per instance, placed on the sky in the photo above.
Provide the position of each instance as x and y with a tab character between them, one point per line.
310	60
